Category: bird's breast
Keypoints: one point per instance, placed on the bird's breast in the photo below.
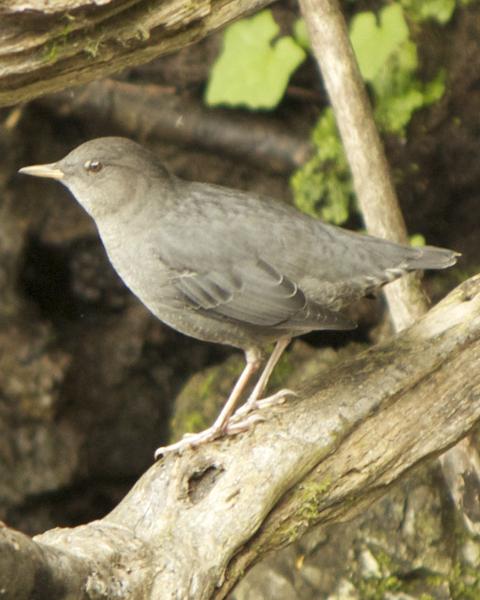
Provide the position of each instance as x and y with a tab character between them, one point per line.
134	255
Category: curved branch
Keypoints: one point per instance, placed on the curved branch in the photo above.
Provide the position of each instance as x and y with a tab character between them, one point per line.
194	523
48	46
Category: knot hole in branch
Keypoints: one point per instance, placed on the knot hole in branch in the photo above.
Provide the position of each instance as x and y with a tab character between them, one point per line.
201	482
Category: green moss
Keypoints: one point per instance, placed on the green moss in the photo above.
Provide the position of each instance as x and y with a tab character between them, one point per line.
463	580
310	496
311	493
51	52
373	588
309	499
207	386
318	489
464	583
190	423
201	399
52	49
195	421
323	186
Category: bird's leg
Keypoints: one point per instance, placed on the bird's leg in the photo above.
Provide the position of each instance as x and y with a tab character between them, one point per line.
220	426
254	401
253	364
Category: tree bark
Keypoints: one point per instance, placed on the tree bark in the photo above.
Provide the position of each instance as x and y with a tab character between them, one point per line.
193	524
48	46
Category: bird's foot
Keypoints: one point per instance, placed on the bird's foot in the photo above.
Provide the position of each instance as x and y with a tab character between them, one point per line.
241	421
254	404
189	440
193	440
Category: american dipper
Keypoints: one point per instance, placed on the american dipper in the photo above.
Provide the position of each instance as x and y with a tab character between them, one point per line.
223	265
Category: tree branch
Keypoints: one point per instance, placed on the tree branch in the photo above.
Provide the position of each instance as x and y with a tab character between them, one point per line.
379	204
194	523
371	175
145	110
48	46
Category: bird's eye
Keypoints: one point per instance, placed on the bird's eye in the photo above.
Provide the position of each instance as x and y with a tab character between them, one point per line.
93	166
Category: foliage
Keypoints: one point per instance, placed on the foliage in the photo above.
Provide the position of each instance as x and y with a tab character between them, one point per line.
300	34
323	186
375	40
254	67
253	70
422	10
388	61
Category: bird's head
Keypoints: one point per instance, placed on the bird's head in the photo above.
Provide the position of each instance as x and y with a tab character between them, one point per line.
104	174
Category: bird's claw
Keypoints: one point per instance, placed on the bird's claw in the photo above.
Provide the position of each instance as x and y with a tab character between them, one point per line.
241	421
189	440
193	440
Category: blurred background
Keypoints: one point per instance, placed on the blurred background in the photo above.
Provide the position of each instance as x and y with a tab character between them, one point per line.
91	383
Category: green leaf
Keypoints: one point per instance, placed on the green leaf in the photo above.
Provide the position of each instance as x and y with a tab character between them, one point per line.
374	42
399	93
388	61
253	70
300	33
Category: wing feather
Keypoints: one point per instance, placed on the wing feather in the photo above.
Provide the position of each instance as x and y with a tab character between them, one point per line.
254	293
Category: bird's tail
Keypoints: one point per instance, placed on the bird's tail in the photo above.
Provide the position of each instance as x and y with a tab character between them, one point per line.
431	257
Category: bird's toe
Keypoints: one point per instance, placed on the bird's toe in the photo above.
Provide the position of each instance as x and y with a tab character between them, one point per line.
253	404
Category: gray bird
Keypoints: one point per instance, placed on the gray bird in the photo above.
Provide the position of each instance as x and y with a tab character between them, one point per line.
223	265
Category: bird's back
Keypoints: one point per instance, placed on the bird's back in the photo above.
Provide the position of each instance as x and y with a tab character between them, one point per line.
221	227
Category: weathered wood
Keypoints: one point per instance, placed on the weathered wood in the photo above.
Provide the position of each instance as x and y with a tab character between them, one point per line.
49	46
193	524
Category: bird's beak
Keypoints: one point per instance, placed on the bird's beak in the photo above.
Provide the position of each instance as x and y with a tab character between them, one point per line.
52	171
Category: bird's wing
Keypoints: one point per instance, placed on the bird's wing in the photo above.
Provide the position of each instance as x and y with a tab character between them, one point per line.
252	292
256	294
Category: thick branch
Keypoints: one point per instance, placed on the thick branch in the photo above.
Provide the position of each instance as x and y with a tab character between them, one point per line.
193	524
49	46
